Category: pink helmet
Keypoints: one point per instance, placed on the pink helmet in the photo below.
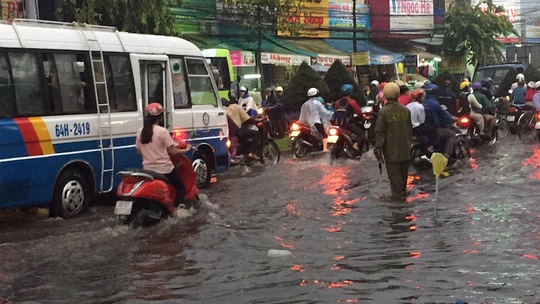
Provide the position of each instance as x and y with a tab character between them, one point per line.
154	109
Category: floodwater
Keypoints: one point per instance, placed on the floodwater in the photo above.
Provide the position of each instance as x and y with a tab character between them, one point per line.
346	246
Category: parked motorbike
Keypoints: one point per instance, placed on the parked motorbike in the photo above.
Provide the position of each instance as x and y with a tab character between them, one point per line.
304	140
268	153
147	197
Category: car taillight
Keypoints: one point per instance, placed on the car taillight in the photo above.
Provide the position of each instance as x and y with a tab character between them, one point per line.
333	131
464	120
295	126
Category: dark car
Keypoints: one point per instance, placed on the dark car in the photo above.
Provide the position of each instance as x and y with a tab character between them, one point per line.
497	72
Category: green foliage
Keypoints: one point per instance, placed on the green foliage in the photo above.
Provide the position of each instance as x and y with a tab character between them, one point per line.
304	79
531	73
337	76
471	30
136	16
445	75
506	83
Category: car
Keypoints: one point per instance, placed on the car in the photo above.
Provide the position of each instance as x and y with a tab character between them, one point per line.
497	71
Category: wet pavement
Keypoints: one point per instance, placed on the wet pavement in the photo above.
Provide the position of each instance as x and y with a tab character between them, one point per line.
346	245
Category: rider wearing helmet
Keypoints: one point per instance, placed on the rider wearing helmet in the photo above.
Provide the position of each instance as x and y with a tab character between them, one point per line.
373	90
393	137
468	102
440	119
344	110
447	97
155	144
487	109
247	102
315	115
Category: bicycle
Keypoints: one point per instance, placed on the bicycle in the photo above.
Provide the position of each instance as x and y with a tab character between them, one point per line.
526	122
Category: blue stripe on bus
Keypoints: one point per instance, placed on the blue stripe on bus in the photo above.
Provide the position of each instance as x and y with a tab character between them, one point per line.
11	141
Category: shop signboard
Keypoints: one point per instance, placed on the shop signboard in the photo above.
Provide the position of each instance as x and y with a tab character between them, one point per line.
512	10
411	16
11	9
360	58
453	66
328	18
283	59
531	14
327	60
242	58
411	61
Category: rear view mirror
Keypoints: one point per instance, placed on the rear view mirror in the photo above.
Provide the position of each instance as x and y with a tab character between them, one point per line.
370	103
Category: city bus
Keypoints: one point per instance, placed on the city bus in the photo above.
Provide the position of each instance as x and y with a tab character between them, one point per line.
72	98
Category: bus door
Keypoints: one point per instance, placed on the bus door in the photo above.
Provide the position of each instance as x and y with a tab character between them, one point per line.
209	118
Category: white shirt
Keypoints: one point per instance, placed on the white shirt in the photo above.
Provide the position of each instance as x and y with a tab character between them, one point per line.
313	112
247	104
418	113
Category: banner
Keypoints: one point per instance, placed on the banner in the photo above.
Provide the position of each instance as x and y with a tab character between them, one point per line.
411	16
329	18
11	9
327	60
360	58
454	66
512	10
242	58
282	59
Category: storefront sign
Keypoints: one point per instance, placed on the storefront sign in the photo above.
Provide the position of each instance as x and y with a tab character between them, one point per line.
512	10
11	9
283	59
360	58
242	58
328	18
411	16
327	60
454	66
410	61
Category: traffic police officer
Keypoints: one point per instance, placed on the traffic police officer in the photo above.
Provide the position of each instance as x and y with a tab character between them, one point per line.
393	136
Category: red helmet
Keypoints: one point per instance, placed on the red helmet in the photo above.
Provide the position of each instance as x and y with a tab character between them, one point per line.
154	109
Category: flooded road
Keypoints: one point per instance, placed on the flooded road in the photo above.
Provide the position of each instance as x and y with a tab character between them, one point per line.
346	245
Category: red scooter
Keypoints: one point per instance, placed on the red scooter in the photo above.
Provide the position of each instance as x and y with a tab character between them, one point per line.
147	197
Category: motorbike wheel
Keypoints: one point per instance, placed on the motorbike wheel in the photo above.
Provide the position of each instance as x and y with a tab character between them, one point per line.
202	169
504	126
298	149
523	124
494	137
145	213
336	150
270	153
417	162
71	196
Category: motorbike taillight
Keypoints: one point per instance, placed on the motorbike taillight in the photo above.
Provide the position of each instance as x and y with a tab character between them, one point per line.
538	116
295	126
333	131
464	120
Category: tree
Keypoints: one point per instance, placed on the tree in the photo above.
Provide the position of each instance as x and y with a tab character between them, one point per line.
471	30
304	79
136	16
337	76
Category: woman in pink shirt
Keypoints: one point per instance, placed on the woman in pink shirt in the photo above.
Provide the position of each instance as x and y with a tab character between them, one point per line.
156	144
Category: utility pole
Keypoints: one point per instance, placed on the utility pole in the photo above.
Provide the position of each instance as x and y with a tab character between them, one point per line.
259	48
355	47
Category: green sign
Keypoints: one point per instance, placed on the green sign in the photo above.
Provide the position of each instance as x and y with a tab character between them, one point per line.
194	15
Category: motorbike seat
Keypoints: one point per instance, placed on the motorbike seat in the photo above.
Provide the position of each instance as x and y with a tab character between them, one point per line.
154	174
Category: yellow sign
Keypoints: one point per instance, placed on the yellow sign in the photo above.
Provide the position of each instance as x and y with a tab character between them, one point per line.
314	19
453	66
11	9
360	58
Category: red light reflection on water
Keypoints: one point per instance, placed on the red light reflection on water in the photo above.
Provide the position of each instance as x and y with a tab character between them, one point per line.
348	301
298	268
410	179
342	207
334	179
415	254
340	284
534	161
530	256
338	258
417	197
283	244
473	163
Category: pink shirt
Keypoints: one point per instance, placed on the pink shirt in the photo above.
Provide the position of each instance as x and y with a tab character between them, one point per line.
154	153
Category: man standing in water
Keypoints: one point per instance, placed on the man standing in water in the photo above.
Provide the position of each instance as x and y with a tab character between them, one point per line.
393	136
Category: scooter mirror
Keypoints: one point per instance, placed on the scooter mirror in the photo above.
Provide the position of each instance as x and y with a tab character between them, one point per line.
370	103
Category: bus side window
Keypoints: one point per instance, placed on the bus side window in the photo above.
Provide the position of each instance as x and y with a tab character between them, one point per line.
27	82
69	84
181	98
7	102
155	83
200	83
120	85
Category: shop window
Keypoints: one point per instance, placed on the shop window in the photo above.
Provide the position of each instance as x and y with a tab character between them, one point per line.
200	83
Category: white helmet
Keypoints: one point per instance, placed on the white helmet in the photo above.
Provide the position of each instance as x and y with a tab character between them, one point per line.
243	88
520	77
312	92
375	83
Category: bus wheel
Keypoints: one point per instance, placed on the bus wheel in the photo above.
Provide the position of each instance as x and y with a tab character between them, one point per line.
71	195
202	170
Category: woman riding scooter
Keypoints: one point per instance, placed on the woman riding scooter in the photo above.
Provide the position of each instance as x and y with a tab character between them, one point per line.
156	145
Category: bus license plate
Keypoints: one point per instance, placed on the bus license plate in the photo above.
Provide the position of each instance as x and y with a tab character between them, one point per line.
510	118
123	207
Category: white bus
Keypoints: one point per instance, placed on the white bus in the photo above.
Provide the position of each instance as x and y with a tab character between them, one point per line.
72	98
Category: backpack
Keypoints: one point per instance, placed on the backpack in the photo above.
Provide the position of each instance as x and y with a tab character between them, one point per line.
463	105
341	115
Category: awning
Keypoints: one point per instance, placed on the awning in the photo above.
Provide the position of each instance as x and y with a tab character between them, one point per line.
377	55
274	51
411	50
326	54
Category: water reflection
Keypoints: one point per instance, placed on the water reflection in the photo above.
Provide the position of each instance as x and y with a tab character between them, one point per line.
534	161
